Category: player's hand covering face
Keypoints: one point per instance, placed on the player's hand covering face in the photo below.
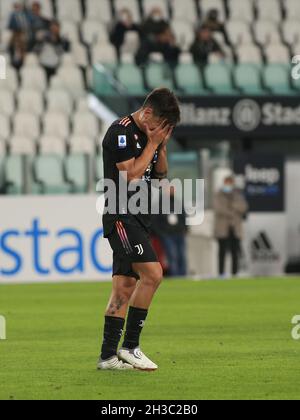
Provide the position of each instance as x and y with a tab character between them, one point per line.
161	134
157	129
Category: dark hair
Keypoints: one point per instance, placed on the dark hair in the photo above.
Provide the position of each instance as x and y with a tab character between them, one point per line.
164	104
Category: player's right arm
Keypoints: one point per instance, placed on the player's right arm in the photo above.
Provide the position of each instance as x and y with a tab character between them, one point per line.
136	167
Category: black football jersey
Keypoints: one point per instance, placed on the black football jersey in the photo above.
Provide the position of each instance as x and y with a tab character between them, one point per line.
122	142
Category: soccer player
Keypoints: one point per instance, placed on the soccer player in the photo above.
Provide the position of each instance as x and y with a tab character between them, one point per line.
136	146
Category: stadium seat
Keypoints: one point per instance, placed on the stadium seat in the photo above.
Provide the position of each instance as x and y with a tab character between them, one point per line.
85	124
82	105
5	37
49	174
82	145
80	55
239	32
248	79
13	175
11	81
184	33
131	77
49	145
241	10
67	59
5	127
59	100
218	79
2	154
186	58
34	78
149	5
7	102
156	57
69	10
277	53
266	32
292	8
269	10
99	11
57	83
159	75
132	5
131	43
206	5
94	32
291	32
249	53
6	8
20	145
189	80
26	124
104	54
30	100
56	124
184	10
72	80
276	77
126	58
77	172
70	31
31	60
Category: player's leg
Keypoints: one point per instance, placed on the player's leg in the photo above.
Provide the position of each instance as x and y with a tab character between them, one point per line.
122	289
151	275
222	256
235	253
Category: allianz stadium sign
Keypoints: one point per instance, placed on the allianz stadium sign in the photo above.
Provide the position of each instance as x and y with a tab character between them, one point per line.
232	117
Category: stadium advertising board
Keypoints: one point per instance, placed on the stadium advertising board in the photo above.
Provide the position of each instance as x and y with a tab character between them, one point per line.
262	176
266	244
52	238
223	117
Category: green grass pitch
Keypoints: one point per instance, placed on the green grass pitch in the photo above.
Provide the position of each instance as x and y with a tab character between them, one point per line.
212	340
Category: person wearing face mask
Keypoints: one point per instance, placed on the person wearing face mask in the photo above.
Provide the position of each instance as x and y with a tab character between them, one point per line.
124	24
154	24
230	210
214	23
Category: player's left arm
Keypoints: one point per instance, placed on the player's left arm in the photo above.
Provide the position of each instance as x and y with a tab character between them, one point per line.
161	167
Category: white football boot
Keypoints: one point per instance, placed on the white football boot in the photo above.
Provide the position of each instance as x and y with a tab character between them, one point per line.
137	359
113	364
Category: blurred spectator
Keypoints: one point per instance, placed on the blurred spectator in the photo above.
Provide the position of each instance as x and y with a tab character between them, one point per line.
51	48
213	23
154	24
164	43
124	24
19	25
204	45
171	229
19	19
38	23
230	209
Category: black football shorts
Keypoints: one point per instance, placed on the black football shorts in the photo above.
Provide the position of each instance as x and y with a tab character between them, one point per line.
130	244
